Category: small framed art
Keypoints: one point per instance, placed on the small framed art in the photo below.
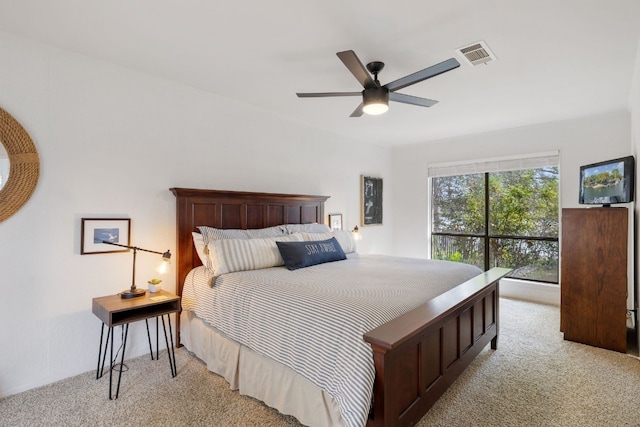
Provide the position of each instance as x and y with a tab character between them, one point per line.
335	221
371	200
95	230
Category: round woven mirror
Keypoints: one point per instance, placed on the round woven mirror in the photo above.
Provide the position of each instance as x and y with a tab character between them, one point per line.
24	166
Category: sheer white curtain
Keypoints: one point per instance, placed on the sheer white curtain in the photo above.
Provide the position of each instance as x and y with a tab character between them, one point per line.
497	164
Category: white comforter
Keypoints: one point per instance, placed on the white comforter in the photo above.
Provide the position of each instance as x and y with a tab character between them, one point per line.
313	319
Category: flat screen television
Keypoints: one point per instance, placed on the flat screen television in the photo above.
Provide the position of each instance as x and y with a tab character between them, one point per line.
607	183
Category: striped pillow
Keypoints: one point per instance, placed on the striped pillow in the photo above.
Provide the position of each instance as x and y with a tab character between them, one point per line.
210	234
229	255
260	233
307	228
344	237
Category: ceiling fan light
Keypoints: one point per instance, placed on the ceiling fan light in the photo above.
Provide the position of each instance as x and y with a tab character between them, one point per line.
375	108
375	101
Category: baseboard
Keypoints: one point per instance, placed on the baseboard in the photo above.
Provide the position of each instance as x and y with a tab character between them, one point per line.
530	291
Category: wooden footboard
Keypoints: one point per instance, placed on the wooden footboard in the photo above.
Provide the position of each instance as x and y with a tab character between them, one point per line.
419	355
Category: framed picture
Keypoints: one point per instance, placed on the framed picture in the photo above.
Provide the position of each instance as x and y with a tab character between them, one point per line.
371	200
95	230
335	221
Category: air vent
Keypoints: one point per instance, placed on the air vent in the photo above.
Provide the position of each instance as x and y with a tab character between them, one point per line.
477	53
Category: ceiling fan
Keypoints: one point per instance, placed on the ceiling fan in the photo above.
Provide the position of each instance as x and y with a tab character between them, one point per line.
376	97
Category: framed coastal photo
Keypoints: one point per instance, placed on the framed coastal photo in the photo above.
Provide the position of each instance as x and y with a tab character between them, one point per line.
335	221
95	230
371	200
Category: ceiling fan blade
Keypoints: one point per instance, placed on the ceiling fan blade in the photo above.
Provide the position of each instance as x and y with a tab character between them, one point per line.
413	100
358	111
325	94
351	61
427	73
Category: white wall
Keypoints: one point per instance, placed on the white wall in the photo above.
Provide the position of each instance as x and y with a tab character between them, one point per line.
580	141
634	107
111	143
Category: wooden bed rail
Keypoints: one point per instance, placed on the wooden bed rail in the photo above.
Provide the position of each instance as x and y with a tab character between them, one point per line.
420	354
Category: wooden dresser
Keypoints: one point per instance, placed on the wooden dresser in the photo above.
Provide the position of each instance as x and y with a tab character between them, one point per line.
593	286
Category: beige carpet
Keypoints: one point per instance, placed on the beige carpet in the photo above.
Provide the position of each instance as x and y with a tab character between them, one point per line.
535	378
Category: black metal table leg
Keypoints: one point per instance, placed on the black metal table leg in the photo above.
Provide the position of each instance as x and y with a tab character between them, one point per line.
124	347
103	351
106	345
173	352
110	367
146	321
100	352
172	363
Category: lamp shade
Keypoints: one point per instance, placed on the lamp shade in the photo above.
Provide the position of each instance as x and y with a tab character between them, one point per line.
375	100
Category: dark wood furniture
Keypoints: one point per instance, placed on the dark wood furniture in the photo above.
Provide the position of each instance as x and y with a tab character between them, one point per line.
113	311
593	289
417	355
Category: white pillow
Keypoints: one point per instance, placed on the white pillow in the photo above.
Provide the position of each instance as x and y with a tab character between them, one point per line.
307	228
229	255
261	233
344	237
201	248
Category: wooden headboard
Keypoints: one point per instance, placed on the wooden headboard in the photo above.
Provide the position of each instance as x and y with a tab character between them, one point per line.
234	209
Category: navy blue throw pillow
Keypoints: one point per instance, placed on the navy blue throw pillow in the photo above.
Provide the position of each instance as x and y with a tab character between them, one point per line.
304	254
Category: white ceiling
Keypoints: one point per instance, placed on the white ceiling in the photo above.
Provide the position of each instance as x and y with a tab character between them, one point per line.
557	59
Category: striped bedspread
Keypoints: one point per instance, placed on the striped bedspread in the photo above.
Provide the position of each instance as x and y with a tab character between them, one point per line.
313	319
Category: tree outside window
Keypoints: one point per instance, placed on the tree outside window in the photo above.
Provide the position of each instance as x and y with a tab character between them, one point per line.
499	219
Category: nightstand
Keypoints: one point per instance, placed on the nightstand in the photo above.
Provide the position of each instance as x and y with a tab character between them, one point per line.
113	310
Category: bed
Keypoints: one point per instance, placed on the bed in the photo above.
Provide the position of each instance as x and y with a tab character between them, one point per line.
414	355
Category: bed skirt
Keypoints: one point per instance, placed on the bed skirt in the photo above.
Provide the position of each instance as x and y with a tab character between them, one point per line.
257	376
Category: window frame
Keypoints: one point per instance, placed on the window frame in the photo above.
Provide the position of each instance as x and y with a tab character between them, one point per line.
486	167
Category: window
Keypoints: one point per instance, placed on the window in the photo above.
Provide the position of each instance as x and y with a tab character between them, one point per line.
505	218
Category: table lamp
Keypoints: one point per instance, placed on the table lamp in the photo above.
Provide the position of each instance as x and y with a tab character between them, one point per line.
134	292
